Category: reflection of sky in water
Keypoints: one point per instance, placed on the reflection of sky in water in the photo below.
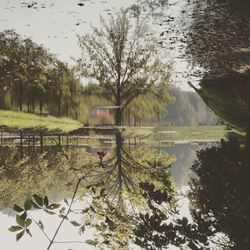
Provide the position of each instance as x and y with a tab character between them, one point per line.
56	24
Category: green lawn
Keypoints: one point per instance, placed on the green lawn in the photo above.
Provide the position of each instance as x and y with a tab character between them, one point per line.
24	121
178	133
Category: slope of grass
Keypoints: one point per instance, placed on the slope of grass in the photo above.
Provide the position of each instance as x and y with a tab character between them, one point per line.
15	120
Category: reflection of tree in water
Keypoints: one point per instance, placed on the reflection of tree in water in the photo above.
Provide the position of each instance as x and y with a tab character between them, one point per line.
41	173
220	195
127	184
115	189
220	205
180	170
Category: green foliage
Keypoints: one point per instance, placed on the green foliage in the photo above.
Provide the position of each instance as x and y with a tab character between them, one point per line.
31	76
41	173
120	187
122	61
228	97
220	201
22	217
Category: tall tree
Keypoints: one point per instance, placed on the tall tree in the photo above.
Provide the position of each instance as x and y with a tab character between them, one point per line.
122	59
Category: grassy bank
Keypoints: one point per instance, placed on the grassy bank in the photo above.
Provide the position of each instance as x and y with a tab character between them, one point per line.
21	120
178	133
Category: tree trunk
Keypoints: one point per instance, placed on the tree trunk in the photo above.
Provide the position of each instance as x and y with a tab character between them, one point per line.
21	144
21	96
119	158
248	143
33	105
58	107
67	109
118	111
129	117
41	105
41	142
28	103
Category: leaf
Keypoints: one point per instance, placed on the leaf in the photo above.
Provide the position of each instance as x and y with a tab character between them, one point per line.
18	209
110	223
54	206
24	215
91	242
28	232
75	224
92	209
81	229
35	205
62	210
15	228
38	200
85	210
46	201
20	221
66	202
27	204
28	222
20	235
93	190
49	212
41	225
102	193
63	216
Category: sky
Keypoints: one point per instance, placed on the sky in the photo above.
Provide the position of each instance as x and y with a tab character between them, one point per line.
56	24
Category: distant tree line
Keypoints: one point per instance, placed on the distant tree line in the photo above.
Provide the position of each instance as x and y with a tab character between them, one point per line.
32	79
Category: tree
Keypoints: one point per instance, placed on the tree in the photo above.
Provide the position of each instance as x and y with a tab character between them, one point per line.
228	96
219	196
120	186
217	38
34	77
122	61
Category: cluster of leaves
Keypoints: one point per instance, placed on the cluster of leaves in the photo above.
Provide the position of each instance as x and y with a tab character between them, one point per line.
22	217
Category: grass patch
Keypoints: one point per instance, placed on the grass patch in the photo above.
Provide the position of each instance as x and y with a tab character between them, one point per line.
190	133
14	120
177	133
